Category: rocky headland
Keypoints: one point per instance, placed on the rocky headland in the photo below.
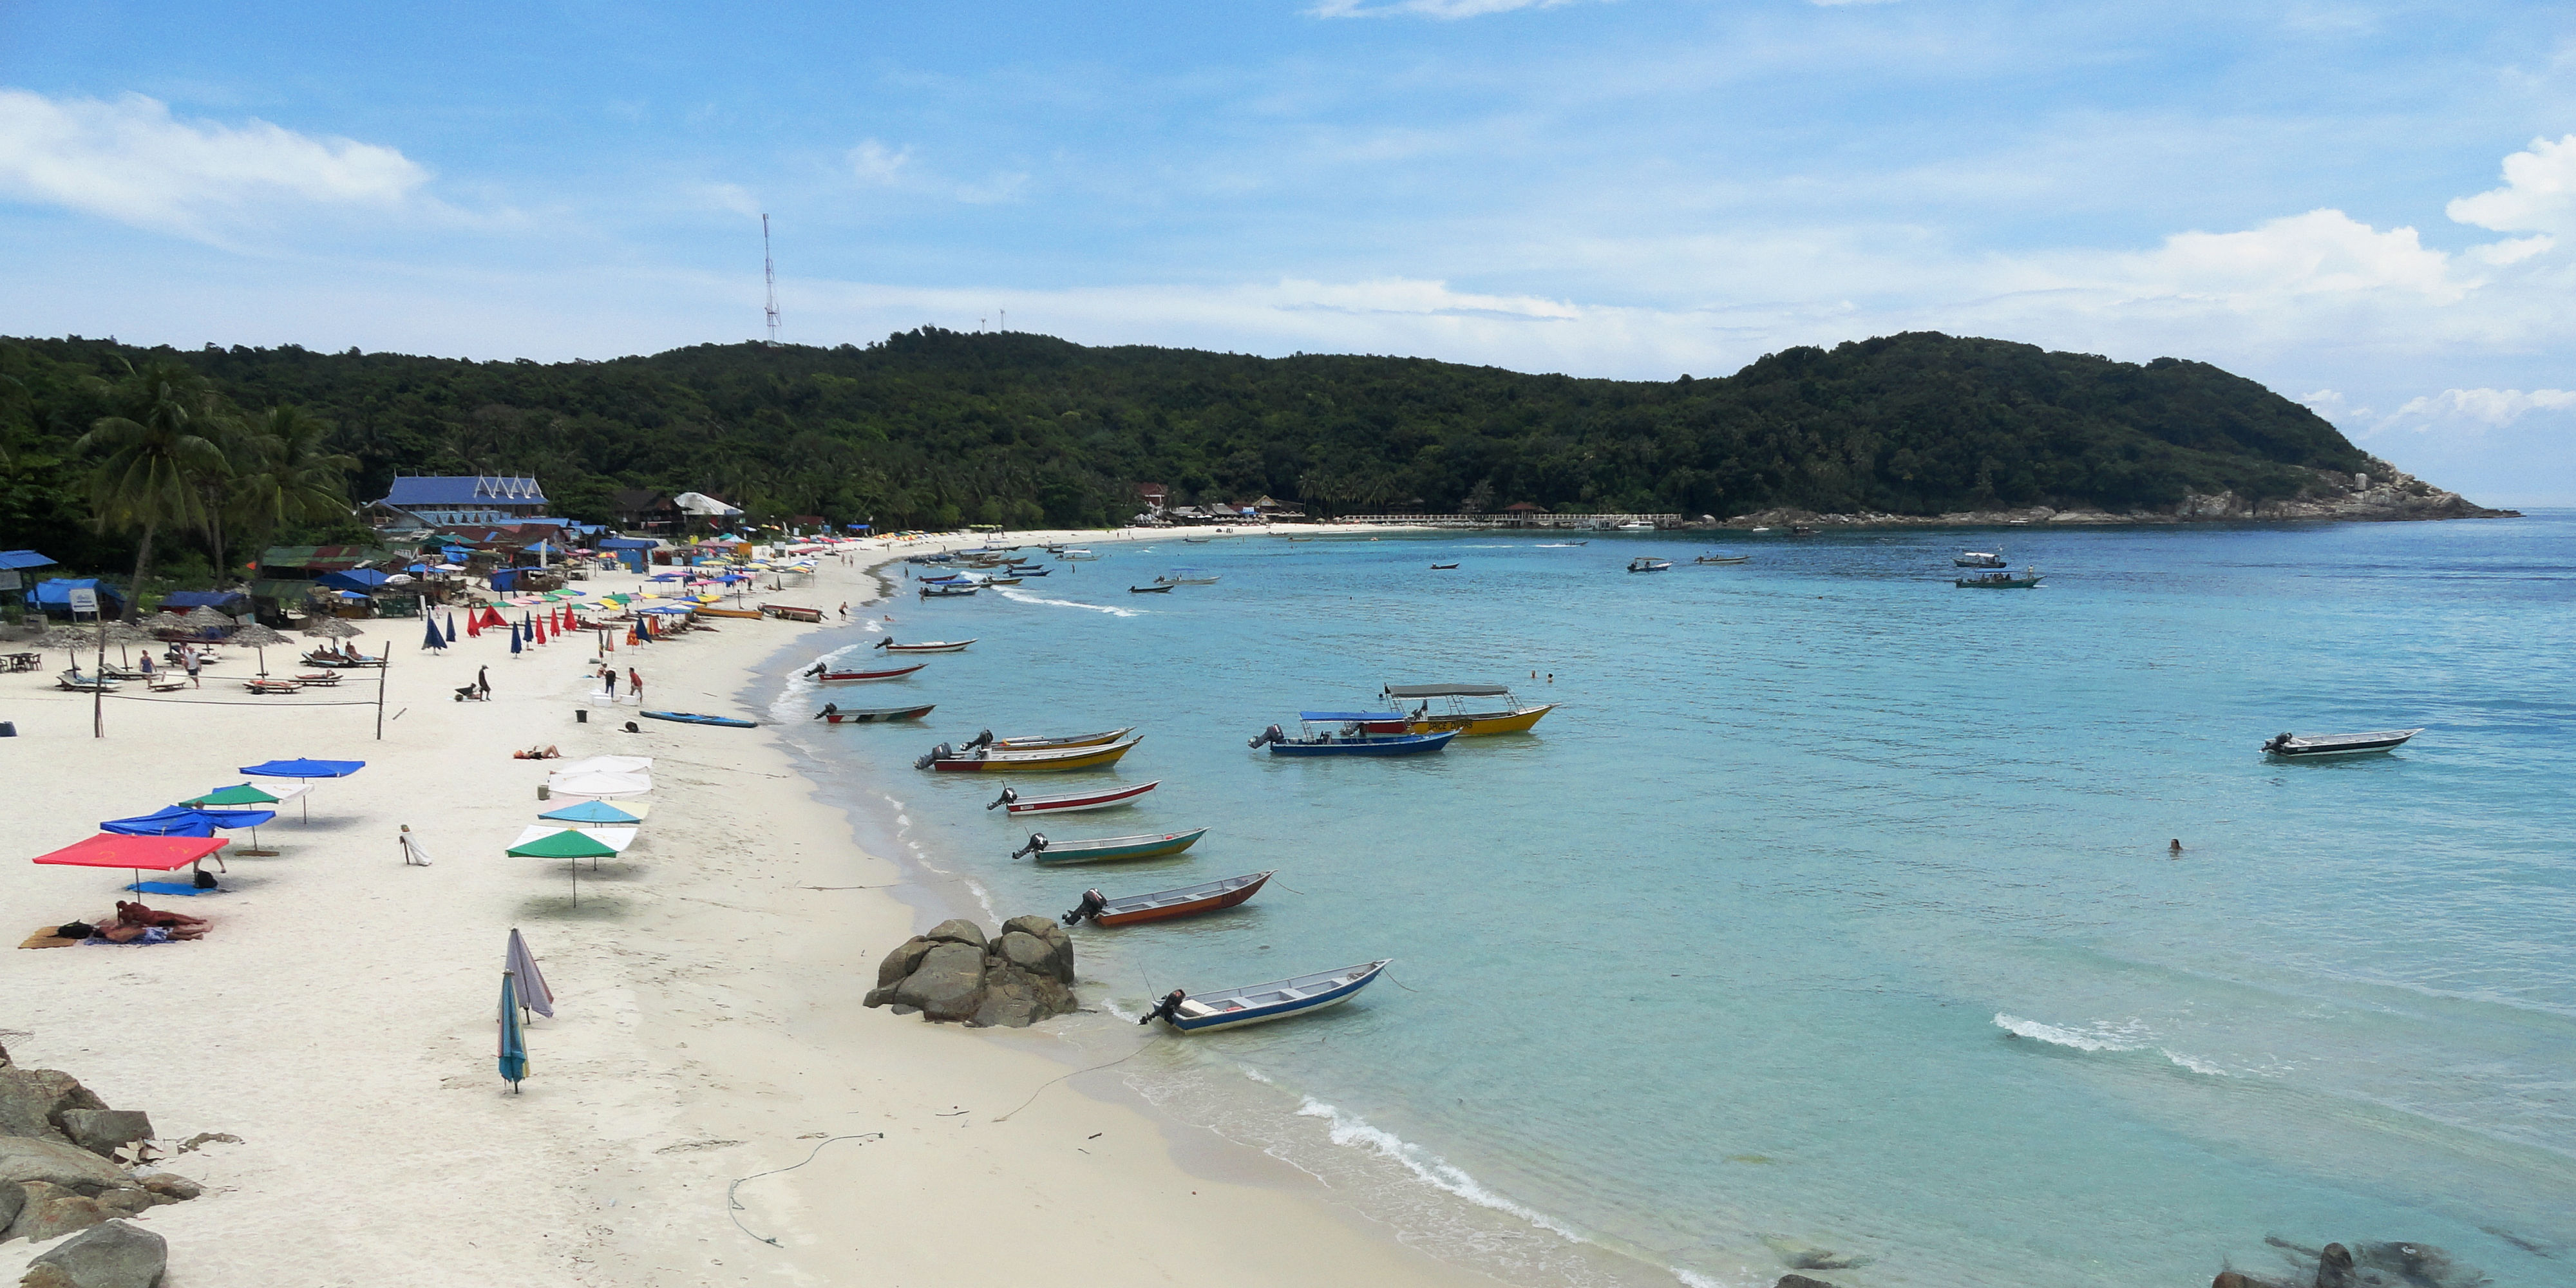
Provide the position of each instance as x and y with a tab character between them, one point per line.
2383	493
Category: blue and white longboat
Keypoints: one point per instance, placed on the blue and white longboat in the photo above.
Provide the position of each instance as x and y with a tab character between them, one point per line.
1228	1008
1359	734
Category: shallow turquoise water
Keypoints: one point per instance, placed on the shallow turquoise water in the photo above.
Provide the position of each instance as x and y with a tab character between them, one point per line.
1833	909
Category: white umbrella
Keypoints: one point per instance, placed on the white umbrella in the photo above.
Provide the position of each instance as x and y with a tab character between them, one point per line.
606	765
598	784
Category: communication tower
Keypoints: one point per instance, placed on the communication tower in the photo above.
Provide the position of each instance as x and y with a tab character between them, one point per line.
769	273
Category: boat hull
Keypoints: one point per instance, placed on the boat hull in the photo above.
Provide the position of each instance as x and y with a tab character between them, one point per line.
881	716
745	614
1478	726
1060	744
1082	803
1119	849
864	677
1171	905
2009	583
958	647
1404	744
1249	1010
1037	762
692	717
2344	745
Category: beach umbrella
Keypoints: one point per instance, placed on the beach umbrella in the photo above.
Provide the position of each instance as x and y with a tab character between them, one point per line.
514	1041
473	625
451	626
597	813
533	993
566	844
433	639
514	639
159	853
165	620
259	638
304	769
331	628
242	796
204	618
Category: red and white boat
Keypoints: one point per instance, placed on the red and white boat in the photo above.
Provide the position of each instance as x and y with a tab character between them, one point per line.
934	646
1072	802
855	677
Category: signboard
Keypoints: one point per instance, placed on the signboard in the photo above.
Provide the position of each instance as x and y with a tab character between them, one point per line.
84	600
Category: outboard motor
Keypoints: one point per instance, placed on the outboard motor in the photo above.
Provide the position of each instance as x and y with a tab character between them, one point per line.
939	753
1165	1009
829	709
1092	902
1007	797
2278	743
984	739
1037	845
1268	736
819	668
887	642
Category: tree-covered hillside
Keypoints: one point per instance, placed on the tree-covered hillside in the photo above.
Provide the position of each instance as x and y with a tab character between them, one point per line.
936	427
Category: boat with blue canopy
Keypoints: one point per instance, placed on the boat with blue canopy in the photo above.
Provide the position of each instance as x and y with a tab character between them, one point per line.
1352	733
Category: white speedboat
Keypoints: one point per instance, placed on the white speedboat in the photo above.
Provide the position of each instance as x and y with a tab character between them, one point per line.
2301	746
1978	559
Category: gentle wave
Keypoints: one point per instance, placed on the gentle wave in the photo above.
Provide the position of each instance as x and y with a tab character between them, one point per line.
1023	597
1351	1131
2129	1035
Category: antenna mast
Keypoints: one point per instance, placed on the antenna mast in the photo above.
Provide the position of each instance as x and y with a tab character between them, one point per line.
769	273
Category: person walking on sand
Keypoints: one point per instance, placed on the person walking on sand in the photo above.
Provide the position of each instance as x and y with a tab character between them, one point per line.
845	610
609	674
635	684
483	682
188	658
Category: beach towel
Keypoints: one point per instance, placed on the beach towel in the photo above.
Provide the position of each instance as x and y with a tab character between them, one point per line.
170	887
46	938
414	854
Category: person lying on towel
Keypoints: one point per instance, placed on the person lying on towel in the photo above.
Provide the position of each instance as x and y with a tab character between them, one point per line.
537	753
133	920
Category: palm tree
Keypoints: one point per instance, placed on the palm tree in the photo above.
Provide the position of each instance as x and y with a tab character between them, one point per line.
291	475
153	457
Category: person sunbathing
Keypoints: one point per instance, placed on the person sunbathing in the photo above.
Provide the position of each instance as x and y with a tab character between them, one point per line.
537	753
132	919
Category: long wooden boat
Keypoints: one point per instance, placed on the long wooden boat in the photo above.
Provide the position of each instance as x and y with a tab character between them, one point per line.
746	614
832	713
1227	1008
692	717
1149	590
1072	802
793	613
1109	849
861	677
1644	564
1166	905
1722	559
944	592
1513	718
1998	581
949	760
986	739
1186	577
2301	746
1353	738
934	646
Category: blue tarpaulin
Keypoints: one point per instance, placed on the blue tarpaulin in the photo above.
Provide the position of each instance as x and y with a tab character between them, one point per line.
56	594
19	559
360	579
180	820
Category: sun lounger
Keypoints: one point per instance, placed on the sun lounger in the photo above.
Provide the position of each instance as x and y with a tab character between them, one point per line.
265	685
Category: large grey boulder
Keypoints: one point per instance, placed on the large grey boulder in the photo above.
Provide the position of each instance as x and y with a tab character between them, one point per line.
33	1101
118	1254
902	961
1059	961
2334	1267
1009	1001
959	931
100	1131
1027	952
13	1199
25	1158
949	984
53	1211
1800	1281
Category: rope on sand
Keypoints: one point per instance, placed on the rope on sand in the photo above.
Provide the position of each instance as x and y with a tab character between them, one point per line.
734	1207
1033	1096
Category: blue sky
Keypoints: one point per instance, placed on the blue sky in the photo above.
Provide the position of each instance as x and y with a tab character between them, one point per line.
2369	207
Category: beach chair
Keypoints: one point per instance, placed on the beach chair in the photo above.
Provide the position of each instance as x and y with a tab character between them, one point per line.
168	681
319	679
78	681
266	685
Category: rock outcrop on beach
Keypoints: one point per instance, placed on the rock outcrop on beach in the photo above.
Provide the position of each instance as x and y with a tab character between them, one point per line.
68	1162
1013	979
116	1254
2359	1265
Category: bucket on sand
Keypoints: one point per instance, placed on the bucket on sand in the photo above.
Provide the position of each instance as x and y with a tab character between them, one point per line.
581	715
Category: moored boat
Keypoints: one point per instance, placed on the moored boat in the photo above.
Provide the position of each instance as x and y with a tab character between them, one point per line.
1260	1003
950	760
833	713
2301	746
743	614
1149	590
1166	905
1186	577
1513	718
1442	567
1072	802
933	646
945	592
1055	742
1977	559
823	676
1353	738
1722	559
1999	581
1643	564
1636	527
692	717
1076	555
1109	849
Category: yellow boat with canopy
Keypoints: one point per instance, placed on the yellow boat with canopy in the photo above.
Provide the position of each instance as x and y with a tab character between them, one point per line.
1460	714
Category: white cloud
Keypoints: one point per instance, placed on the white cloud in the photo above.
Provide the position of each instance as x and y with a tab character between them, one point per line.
2476	410
731	197
131	161
2318	253
875	163
1428	8
2539	192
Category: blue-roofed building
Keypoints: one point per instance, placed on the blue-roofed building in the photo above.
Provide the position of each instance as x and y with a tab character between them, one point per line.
434	501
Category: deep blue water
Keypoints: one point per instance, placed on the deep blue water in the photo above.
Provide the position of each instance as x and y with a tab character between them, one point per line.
1833	911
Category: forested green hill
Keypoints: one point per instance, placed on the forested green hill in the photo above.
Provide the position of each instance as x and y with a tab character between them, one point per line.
936	427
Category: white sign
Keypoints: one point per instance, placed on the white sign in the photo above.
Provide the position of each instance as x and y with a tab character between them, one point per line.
84	601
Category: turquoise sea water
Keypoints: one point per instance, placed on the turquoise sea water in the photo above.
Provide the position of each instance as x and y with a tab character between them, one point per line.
1831	917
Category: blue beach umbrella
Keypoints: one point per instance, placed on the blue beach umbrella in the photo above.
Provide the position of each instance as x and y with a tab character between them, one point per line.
451	628
514	1041
514	639
433	639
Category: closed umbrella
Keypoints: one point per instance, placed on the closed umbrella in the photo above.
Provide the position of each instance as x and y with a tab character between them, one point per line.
434	640
533	993
514	1041
451	626
514	639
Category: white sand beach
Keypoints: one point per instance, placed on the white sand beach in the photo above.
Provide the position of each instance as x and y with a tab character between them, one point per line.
339	1018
